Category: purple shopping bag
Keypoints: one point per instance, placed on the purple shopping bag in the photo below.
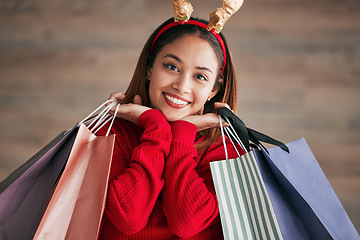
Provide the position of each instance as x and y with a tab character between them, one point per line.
24	201
303	200
23	168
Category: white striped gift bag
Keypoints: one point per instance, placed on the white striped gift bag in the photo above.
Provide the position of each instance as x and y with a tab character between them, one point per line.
245	208
244	204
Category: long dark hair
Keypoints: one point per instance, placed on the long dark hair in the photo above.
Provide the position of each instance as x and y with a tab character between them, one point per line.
227	82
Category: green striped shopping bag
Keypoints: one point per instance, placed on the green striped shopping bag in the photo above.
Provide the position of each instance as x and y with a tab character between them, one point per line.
245	208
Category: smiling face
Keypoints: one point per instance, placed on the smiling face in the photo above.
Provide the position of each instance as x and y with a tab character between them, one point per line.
182	77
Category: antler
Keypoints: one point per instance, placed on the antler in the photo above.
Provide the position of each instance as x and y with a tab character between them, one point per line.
182	10
221	15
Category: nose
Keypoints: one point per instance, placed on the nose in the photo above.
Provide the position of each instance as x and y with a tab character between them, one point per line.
182	84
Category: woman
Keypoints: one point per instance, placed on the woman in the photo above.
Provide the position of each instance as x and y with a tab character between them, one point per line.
160	184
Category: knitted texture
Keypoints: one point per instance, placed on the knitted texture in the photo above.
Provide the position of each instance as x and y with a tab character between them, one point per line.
160	187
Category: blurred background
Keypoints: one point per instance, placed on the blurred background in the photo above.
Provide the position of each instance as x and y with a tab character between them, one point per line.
298	65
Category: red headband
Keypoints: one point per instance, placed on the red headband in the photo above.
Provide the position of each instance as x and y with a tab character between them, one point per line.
197	23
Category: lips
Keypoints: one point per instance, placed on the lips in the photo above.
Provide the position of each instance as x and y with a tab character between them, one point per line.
176	101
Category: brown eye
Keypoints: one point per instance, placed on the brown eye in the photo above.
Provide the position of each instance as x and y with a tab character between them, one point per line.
171	67
201	77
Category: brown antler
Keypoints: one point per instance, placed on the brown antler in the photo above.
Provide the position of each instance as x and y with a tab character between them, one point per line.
182	10
221	15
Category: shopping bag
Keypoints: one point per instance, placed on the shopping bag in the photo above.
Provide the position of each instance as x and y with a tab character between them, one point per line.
290	224
245	208
77	204
304	202
23	168
308	192
27	190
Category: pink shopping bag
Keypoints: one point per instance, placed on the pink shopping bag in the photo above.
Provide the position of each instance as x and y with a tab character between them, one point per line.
76	207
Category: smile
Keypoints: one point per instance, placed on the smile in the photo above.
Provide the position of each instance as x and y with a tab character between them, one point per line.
175	101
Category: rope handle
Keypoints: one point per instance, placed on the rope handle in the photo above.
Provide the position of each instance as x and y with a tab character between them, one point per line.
101	116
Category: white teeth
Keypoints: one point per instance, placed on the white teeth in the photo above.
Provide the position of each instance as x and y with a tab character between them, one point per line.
175	100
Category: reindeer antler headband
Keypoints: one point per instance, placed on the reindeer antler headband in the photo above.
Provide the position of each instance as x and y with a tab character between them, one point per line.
182	13
183	10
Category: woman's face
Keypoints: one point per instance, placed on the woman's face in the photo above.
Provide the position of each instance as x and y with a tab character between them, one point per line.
182	77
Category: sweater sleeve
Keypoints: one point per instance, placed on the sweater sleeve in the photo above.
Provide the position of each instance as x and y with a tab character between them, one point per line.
189	200
133	192
188	204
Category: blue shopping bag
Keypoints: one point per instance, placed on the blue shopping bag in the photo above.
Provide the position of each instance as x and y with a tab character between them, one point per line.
312	210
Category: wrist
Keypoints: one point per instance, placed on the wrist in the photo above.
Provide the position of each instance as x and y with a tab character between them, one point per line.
151	116
183	131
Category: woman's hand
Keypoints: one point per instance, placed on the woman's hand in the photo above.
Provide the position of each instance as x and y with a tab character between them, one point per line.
208	120
129	111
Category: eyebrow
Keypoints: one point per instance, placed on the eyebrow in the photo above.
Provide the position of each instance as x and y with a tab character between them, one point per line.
170	55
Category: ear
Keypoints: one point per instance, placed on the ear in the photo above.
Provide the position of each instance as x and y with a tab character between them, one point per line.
215	89
148	74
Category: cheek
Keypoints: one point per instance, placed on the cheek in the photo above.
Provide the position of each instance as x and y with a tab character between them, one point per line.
156	85
152	91
203	94
158	79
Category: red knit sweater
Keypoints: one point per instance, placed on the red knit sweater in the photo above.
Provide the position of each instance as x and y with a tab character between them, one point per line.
160	187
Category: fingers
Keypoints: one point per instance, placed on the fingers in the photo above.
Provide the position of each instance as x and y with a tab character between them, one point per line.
118	96
220	105
137	100
224	123
128	111
214	120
